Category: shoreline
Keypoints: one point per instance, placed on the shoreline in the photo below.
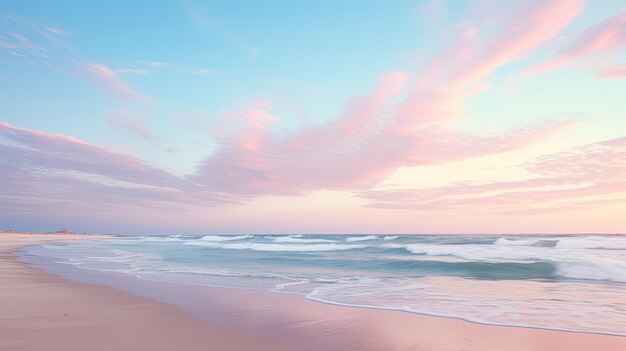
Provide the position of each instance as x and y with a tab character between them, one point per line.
423	314
281	321
42	311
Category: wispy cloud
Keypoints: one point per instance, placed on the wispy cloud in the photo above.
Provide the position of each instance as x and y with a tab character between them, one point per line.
611	72
28	42
204	71
602	38
571	179
139	71
107	80
202	20
155	63
123	120
77	175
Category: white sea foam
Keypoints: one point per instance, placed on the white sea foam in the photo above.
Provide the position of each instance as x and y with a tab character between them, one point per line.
160	238
613	243
602	270
588	264
275	247
516	242
548	305
289	239
391	237
484	253
125	256
224	237
361	238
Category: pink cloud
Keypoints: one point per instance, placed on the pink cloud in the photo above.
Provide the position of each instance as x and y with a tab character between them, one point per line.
42	171
606	36
598	162
566	177
64	152
600	39
529	28
613	72
403	121
107	80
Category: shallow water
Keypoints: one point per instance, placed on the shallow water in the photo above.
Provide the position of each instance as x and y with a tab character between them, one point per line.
574	283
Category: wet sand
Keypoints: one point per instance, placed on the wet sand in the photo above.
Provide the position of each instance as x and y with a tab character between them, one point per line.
42	311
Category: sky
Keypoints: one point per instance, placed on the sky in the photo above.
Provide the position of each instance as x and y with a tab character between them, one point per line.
406	116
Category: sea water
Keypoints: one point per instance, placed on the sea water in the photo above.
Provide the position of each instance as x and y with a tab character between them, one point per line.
571	283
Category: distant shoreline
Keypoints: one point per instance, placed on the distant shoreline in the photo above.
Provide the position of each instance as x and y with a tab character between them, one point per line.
11	231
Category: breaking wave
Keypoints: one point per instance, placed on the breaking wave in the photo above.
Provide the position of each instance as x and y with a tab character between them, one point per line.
224	237
275	247
289	239
361	238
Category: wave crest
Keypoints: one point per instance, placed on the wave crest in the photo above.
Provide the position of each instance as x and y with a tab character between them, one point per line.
288	239
224	237
361	238
274	247
592	243
516	242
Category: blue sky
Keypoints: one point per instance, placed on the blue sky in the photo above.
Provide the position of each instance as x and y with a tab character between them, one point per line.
190	87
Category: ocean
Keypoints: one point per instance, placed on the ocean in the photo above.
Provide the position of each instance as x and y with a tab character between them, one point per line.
560	282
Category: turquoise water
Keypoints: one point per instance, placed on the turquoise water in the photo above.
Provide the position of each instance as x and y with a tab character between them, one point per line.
573	283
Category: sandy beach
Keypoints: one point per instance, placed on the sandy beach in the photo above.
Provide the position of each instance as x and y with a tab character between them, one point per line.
42	311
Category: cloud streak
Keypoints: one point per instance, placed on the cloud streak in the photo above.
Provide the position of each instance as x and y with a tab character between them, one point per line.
107	80
132	71
613	72
603	38
26	42
122	119
39	170
571	179
204	71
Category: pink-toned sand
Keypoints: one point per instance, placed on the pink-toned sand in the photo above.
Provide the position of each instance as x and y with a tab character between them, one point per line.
40	311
